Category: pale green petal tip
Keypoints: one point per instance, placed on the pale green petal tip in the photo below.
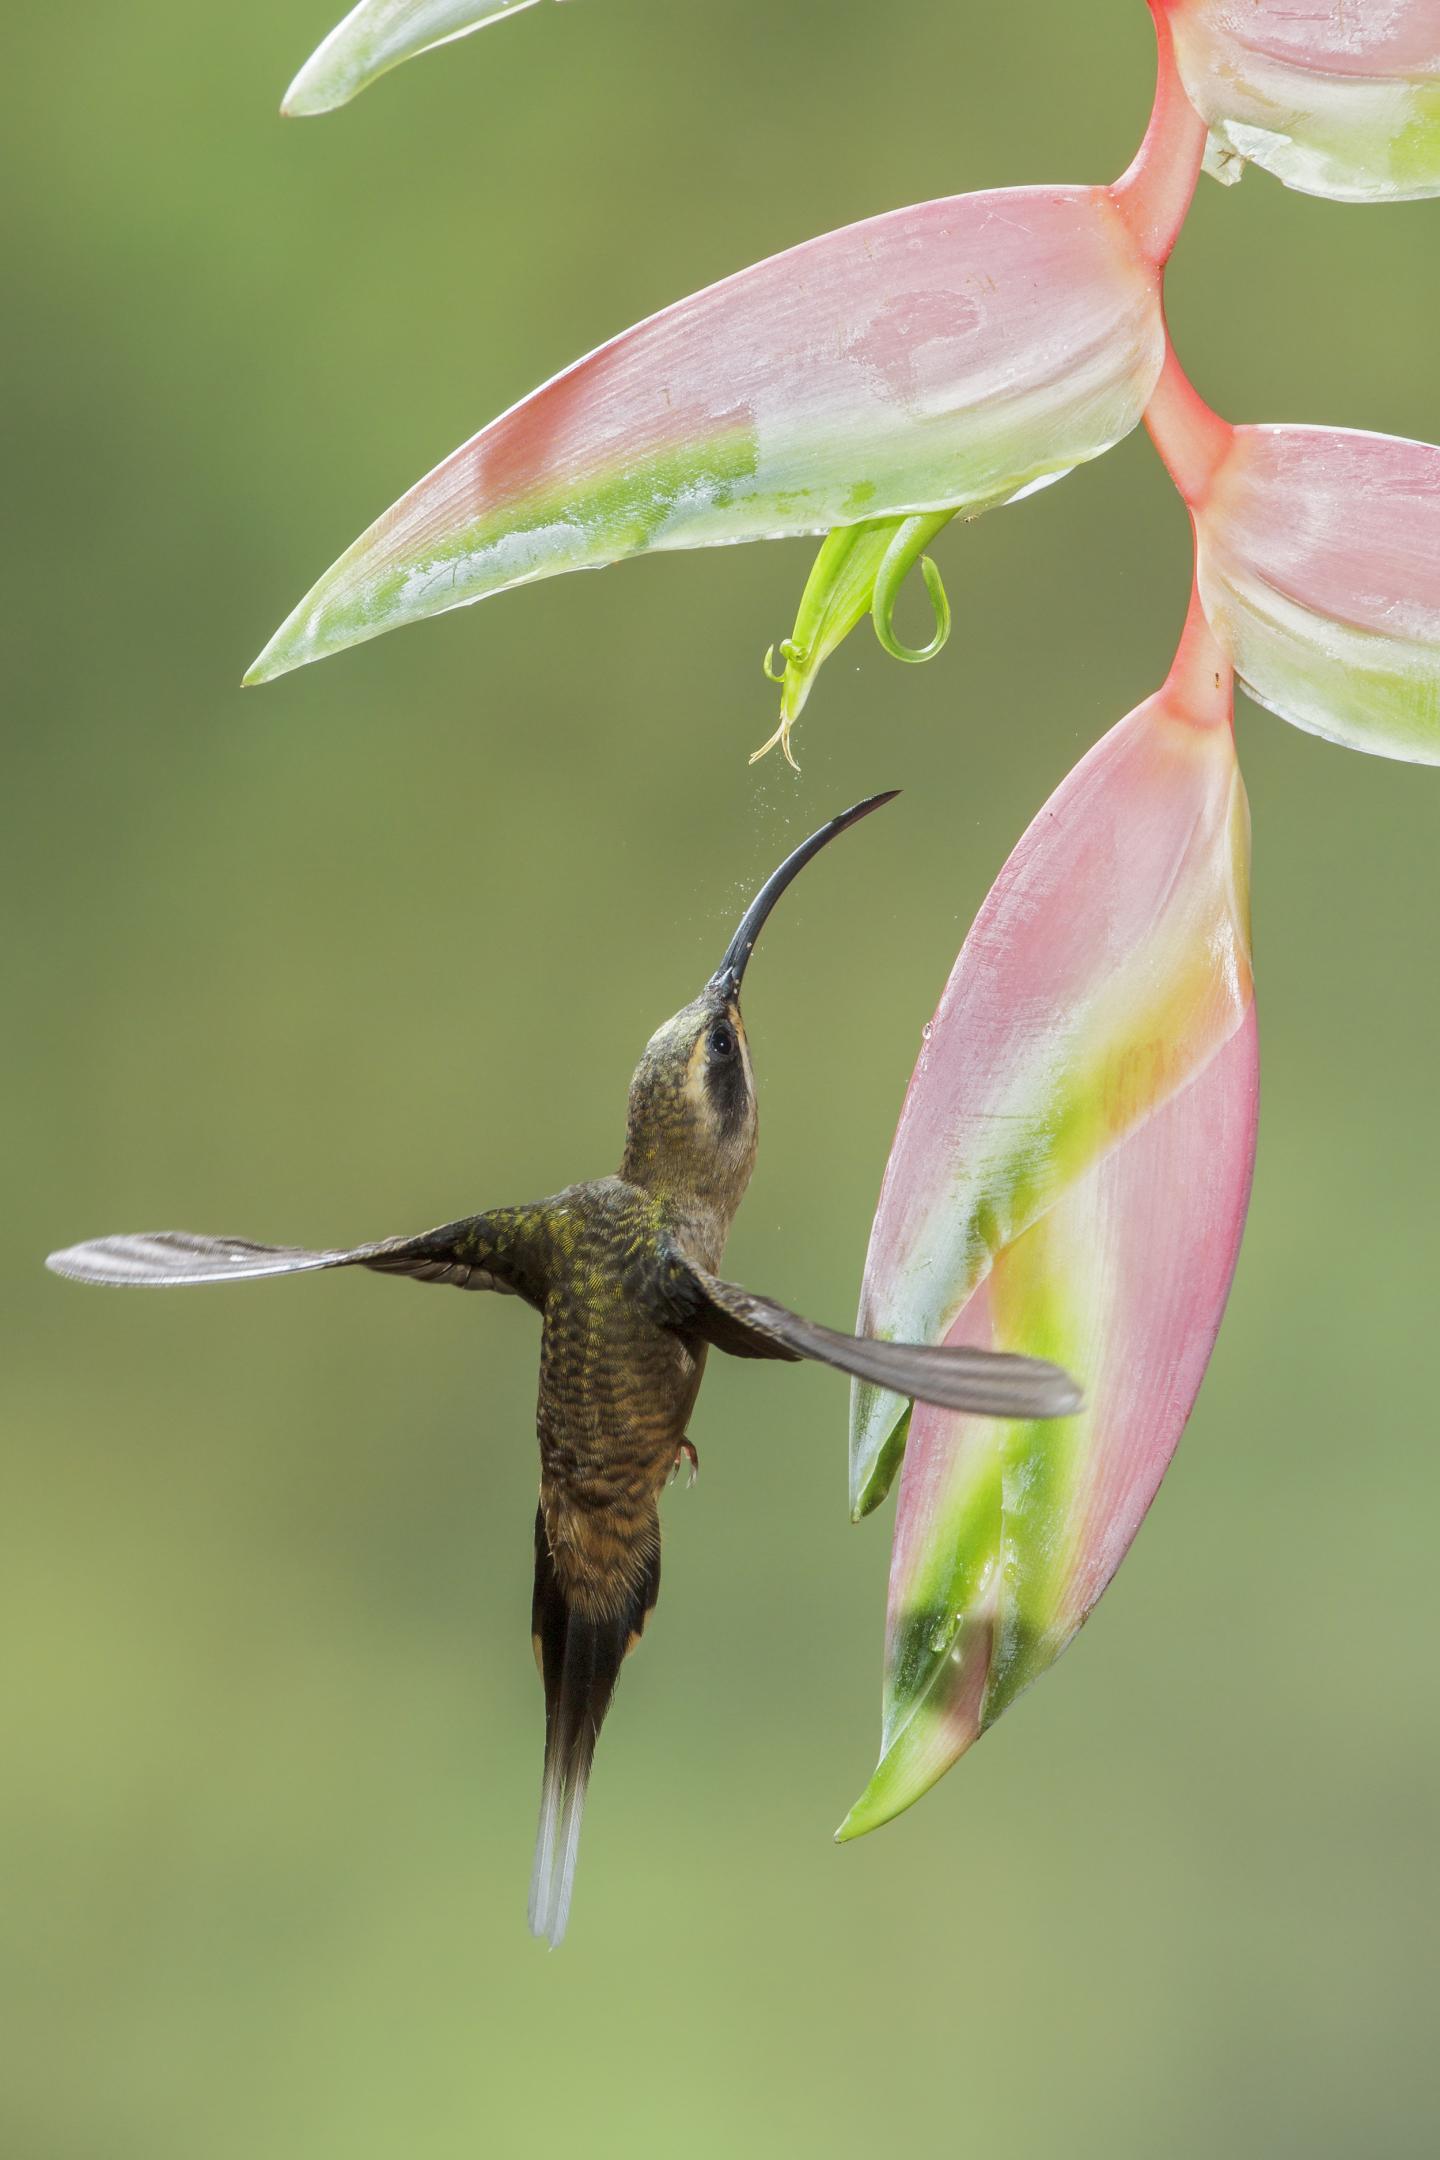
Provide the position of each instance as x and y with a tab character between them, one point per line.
879	1426
311	94
869	1813
335	73
377	36
260	670
917	1758
330	619
280	657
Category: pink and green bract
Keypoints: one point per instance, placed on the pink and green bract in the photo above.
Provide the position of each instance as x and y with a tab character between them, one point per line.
1335	97
950	355
1319	568
1073	1160
375	37
1070	1177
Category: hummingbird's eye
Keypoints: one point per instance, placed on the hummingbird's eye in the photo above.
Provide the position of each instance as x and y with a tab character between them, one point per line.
722	1041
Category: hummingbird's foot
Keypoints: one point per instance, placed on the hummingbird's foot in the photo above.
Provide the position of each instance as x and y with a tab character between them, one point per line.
686	1449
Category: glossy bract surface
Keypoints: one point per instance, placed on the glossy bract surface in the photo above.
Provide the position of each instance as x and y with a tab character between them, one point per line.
936	357
1335	97
1070	1177
375	37
1319	567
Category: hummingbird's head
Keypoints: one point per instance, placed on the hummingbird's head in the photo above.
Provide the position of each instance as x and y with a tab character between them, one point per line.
693	1127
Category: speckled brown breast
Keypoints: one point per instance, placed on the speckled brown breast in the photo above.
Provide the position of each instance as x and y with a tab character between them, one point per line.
616	1391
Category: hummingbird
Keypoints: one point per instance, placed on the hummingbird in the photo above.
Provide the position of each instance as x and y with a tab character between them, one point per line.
623	1271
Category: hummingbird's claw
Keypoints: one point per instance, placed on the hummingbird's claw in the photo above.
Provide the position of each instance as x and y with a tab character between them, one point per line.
686	1449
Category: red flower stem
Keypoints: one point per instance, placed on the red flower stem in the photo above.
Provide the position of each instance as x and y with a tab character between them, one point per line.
1201	681
1193	441
1154	194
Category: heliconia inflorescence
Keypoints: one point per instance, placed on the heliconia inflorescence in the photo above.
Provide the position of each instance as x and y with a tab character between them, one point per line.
1070	1176
1073	1160
375	37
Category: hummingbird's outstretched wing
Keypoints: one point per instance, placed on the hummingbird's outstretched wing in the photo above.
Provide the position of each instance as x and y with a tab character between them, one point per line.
475	1254
989	1383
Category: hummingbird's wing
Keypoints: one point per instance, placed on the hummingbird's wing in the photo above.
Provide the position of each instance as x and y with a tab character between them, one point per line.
989	1383
466	1254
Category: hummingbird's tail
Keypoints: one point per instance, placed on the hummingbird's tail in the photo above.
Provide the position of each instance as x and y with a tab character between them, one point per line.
579	1655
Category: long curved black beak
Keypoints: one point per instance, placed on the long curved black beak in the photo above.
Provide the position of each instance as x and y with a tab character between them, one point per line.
727	976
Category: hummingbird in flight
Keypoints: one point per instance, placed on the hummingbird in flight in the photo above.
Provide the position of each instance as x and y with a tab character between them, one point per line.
623	1271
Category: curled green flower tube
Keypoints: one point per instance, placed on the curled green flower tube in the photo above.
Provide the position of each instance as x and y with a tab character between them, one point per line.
858	572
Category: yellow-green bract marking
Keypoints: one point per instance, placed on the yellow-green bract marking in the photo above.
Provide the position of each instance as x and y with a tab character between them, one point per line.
539	535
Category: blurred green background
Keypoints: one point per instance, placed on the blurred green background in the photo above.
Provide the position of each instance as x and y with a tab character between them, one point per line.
299	963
